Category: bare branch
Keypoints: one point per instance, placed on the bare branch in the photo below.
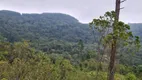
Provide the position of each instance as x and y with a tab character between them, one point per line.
123	1
122	8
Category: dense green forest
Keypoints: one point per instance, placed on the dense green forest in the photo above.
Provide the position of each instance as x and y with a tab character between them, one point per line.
55	46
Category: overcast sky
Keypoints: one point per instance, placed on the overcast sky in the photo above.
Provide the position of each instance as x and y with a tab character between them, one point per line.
83	10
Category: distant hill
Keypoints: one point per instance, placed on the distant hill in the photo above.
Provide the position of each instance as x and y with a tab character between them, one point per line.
136	28
55	33
15	27
48	27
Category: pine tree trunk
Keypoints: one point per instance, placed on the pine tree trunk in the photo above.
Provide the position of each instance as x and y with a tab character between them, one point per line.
117	9
114	44
112	61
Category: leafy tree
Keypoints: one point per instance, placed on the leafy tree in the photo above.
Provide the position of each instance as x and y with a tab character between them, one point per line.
119	32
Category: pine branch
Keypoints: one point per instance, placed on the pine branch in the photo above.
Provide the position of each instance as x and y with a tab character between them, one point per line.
123	1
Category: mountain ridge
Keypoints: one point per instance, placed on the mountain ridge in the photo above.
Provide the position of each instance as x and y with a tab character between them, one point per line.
48	23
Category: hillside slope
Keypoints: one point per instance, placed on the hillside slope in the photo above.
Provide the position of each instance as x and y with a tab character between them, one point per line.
54	33
15	27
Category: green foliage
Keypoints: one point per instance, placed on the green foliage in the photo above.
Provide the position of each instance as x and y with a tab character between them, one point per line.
139	68
119	31
116	34
130	76
59	33
122	69
3	50
69	49
119	77
35	65
42	27
3	79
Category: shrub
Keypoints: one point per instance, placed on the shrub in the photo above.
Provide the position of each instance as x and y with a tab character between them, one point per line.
130	76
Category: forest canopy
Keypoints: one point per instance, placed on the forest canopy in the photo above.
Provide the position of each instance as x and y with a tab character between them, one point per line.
55	46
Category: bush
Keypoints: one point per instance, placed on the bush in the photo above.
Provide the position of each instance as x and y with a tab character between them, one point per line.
130	76
119	77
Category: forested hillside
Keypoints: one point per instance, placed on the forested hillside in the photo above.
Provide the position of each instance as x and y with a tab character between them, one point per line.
51	32
16	26
137	29
57	47
48	26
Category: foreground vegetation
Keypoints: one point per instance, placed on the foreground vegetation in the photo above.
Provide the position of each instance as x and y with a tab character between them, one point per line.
18	61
